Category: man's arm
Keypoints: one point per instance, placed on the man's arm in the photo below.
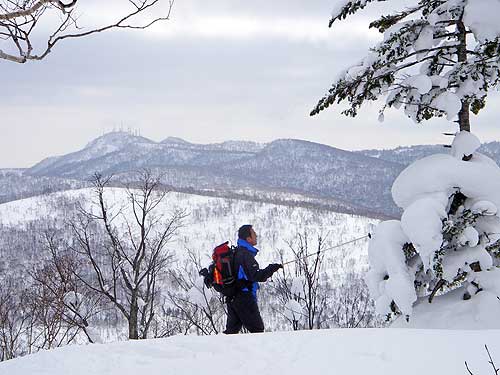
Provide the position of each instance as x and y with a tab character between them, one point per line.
254	272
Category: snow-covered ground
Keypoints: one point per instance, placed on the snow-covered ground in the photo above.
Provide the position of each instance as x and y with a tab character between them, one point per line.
348	351
212	220
451	311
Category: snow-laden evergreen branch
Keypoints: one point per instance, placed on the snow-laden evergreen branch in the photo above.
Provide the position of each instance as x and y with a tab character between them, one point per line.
437	58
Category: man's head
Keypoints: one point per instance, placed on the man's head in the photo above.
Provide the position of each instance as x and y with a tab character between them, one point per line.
247	233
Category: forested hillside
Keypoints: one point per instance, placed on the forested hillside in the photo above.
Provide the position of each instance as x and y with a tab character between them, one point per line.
40	235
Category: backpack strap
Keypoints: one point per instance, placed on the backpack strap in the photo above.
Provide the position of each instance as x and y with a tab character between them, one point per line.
241	283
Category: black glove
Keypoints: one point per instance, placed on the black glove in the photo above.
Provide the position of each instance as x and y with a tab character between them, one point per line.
274	267
203	272
207	278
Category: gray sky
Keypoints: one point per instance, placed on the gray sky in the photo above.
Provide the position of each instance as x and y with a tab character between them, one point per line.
219	70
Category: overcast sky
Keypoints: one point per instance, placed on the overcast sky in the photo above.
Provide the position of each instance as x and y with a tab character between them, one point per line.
219	70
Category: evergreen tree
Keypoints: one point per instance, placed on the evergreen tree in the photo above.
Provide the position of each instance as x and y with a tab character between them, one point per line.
437	58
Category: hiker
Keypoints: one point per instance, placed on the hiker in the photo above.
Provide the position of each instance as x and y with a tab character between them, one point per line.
242	307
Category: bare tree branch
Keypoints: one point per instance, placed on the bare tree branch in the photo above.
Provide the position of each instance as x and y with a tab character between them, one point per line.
127	257
20	18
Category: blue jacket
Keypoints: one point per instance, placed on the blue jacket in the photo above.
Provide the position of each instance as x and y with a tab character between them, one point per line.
249	272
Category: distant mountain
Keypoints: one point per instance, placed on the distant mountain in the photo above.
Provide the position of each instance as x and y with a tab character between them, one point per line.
407	155
16	184
120	152
287	165
312	168
354	182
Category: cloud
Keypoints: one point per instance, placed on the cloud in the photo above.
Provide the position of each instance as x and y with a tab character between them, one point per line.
227	69
241	27
237	20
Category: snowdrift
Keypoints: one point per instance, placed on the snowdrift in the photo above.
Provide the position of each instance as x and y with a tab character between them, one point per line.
353	351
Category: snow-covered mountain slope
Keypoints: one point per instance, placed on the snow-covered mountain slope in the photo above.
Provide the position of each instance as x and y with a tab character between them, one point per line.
121	151
15	184
211	221
102	146
353	182
287	165
408	154
321	170
349	351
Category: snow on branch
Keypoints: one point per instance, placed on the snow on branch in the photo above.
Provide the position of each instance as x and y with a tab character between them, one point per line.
29	10
345	8
450	48
448	236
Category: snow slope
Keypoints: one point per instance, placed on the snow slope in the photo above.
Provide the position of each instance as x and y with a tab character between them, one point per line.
212	221
353	351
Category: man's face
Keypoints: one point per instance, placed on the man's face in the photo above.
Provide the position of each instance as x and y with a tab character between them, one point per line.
252	240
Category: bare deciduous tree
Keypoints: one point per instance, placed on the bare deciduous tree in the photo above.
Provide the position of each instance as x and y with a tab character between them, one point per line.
307	269
59	290
20	20
126	248
15	321
197	307
310	269
350	305
325	300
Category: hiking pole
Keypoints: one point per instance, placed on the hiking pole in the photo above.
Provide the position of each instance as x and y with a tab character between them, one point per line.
369	235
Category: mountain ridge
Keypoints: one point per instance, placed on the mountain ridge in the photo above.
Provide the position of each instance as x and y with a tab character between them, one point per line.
360	180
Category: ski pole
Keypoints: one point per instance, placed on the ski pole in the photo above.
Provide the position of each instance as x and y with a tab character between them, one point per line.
369	235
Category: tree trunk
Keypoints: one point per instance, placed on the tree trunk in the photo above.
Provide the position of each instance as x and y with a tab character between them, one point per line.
463	115
133	331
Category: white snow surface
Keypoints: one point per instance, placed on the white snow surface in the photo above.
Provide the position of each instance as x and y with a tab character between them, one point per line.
293	310
425	40
448	102
422	223
484	206
464	144
442	172
422	83
297	288
387	260
482	18
450	311
348	351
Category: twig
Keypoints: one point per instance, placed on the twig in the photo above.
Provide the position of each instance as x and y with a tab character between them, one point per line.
491	360
467	367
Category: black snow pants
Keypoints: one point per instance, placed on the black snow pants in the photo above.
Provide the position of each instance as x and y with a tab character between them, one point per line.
242	310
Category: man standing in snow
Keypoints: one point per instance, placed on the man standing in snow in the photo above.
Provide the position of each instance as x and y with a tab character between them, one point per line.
242	308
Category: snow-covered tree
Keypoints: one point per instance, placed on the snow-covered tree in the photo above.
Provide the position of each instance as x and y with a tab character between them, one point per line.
437	58
448	238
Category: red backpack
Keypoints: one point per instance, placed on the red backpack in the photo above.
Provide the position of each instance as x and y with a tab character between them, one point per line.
222	271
